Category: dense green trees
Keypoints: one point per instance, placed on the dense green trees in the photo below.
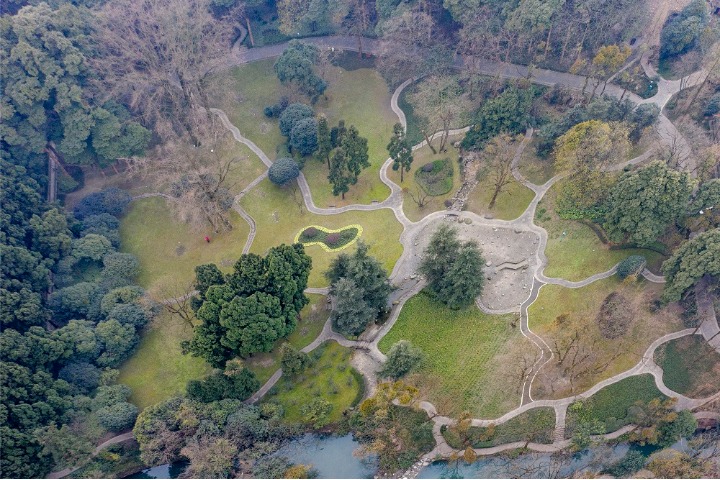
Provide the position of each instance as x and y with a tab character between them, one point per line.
46	94
348	160
296	66
292	115
682	31
506	113
360	287
400	150
251	308
50	377
452	268
642	204
220	386
690	261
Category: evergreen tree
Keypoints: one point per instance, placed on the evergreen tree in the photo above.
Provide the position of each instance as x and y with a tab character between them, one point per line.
340	176
642	204
351	314
366	272
324	142
400	151
453	269
690	262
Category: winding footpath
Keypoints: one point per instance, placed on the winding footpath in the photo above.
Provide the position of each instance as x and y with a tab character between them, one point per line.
406	280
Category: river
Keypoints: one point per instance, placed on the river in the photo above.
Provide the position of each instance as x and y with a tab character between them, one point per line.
333	457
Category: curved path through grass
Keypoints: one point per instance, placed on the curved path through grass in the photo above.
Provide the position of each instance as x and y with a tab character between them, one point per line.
404	275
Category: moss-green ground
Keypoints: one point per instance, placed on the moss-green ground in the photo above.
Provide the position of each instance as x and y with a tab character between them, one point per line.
465	367
330	377
690	366
611	405
158	369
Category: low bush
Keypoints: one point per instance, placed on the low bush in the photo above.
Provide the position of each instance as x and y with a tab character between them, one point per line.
436	177
310	232
332	239
632	265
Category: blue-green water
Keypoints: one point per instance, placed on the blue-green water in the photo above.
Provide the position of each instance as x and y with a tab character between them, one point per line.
330	456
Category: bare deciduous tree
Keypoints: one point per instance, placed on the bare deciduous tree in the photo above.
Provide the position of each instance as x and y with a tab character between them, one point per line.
498	157
155	55
440	101
198	177
419	196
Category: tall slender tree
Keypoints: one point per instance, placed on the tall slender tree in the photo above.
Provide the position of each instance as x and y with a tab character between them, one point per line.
400	150
324	141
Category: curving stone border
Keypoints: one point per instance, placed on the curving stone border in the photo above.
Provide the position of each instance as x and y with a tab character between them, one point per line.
323	245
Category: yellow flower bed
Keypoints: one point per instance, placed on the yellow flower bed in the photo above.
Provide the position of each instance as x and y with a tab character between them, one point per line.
328	231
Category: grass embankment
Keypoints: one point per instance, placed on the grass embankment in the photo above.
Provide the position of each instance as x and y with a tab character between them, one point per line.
536	425
690	366
575	251
611	406
245	91
411	187
559	313
279	219
469	360
330	377
534	168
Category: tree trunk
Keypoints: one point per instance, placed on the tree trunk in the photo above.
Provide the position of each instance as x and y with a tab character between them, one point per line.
494	197
402	170
360	45
427	139
252	40
547	40
342	195
604	86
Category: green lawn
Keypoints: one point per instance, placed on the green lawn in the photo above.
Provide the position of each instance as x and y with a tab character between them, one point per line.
536	425
581	306
464	367
158	369
279	219
169	250
690	366
611	404
574	250
245	91
330	377
421	157
312	320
